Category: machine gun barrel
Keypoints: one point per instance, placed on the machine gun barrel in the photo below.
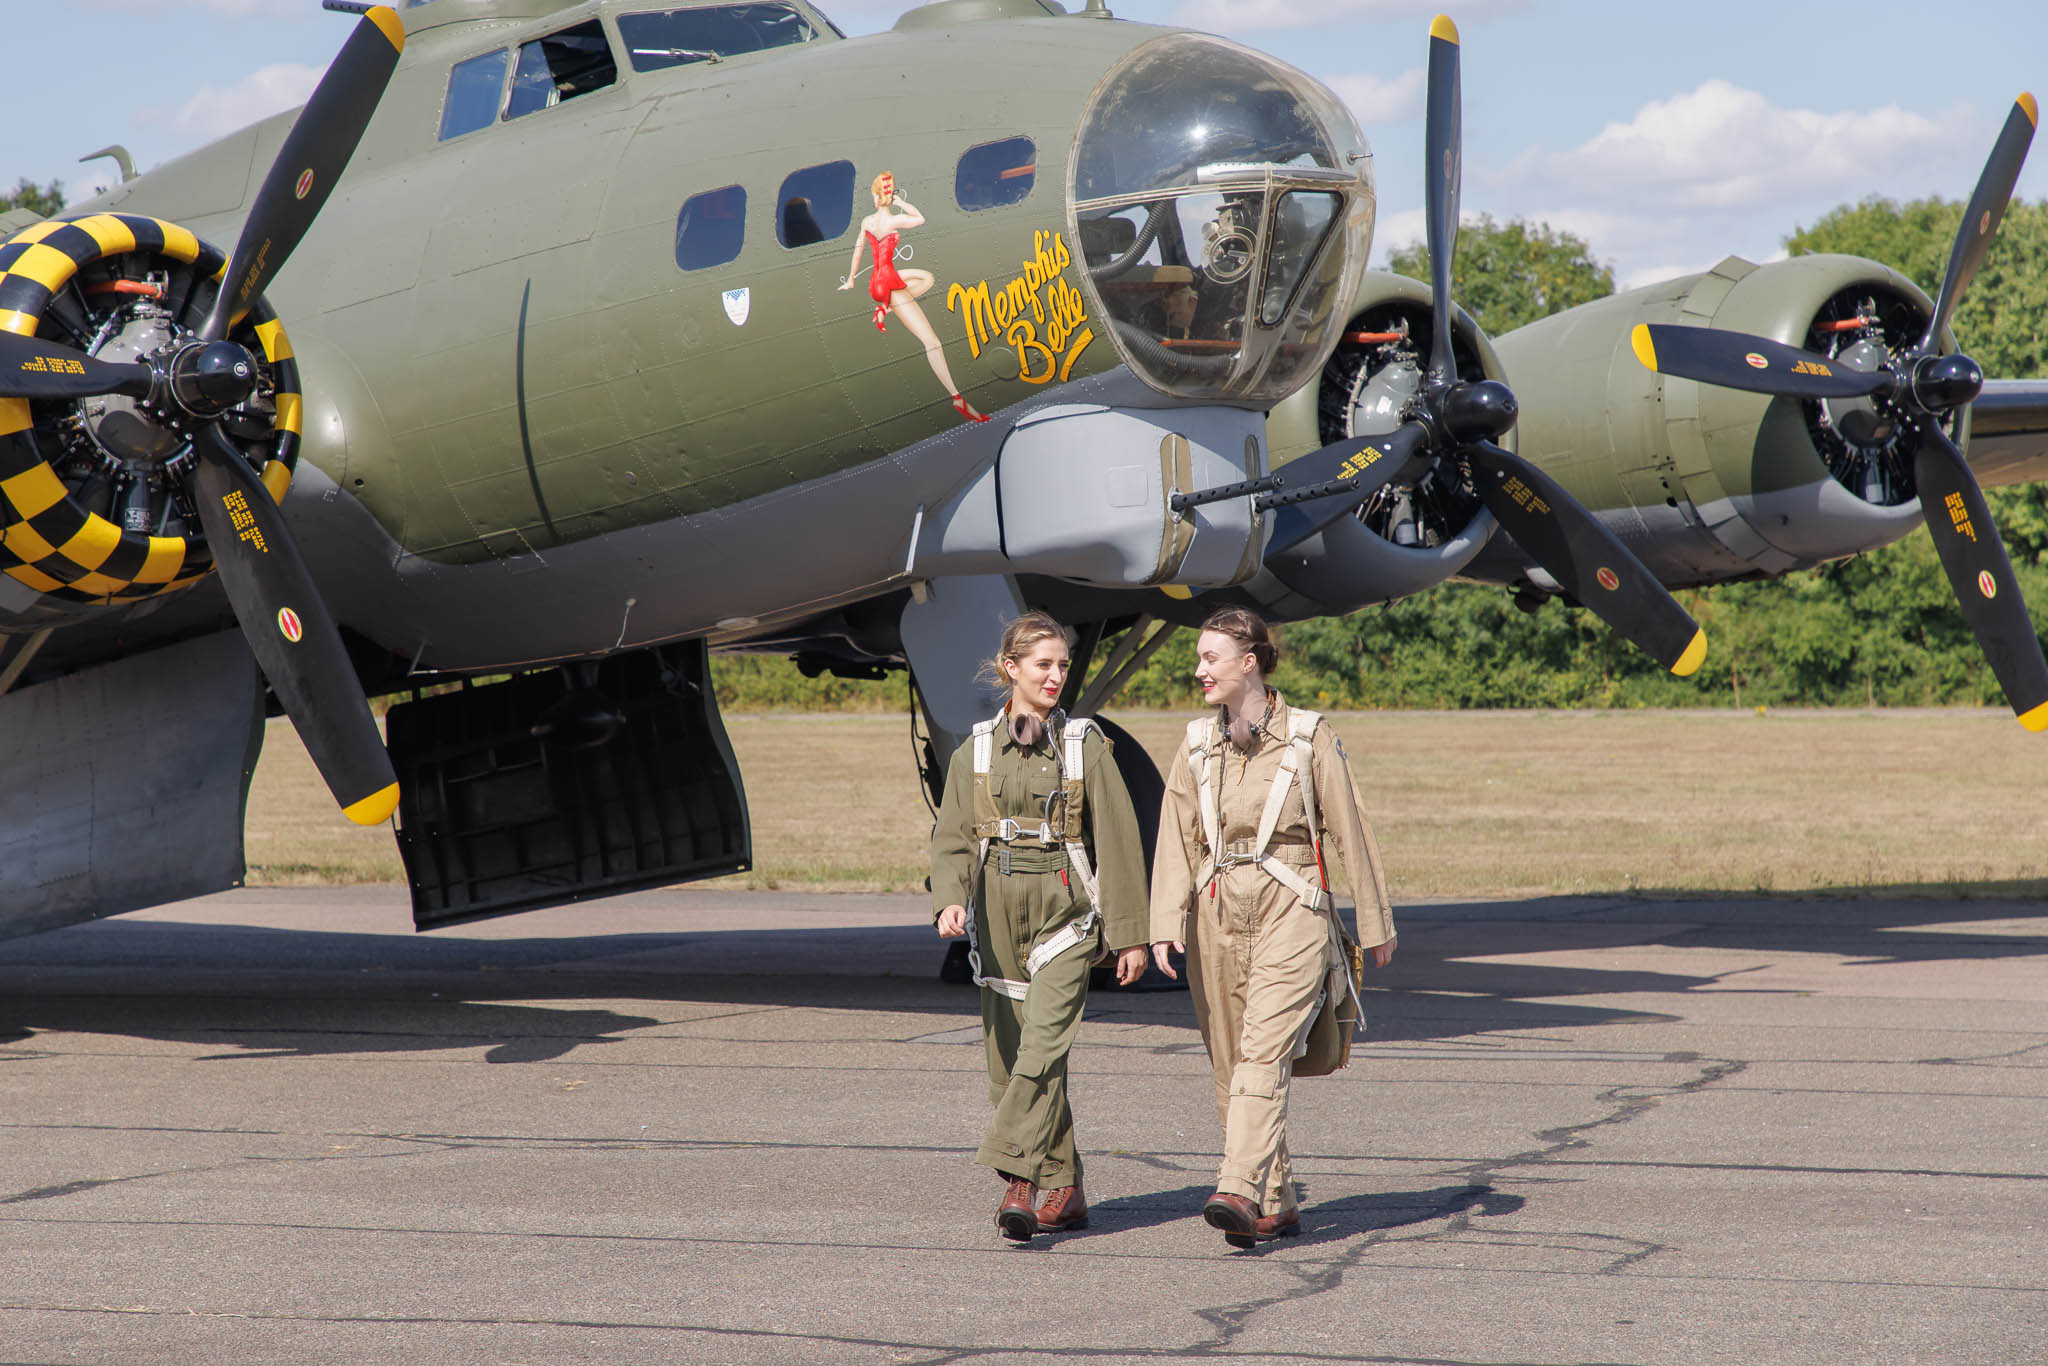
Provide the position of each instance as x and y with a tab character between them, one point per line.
1181	502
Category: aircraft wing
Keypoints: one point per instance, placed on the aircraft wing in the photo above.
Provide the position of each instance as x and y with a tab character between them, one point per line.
2009	432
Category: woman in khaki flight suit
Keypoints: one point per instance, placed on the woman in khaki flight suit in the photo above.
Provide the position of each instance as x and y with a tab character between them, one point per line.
1258	953
1007	843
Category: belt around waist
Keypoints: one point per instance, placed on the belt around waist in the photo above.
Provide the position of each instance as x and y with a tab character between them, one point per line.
1240	851
1024	859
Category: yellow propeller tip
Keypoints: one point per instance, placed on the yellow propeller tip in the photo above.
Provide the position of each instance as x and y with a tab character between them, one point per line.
1442	27
374	809
393	27
2027	105
1695	654
2035	719
1646	350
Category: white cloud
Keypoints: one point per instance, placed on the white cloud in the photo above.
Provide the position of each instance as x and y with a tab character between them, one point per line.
1245	16
1375	100
213	113
1722	147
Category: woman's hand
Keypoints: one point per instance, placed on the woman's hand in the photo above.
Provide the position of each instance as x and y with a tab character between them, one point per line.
1130	965
952	922
848	284
1383	954
1159	955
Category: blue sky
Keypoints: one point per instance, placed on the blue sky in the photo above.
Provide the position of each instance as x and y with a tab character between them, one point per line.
1665	135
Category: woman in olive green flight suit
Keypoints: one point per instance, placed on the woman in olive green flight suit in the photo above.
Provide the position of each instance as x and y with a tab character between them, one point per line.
1018	838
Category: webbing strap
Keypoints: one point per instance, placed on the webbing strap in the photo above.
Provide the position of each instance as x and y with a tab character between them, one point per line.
1073	738
1295	765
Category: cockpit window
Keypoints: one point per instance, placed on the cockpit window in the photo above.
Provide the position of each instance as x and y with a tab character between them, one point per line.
560	67
473	90
995	174
678	37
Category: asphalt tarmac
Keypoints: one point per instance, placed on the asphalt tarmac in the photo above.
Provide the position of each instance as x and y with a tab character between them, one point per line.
277	1126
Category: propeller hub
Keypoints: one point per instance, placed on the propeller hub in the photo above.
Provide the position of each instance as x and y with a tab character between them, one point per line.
209	378
1479	411
1944	382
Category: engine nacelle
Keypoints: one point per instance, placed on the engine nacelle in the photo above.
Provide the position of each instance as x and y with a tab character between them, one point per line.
1411	535
1706	483
93	503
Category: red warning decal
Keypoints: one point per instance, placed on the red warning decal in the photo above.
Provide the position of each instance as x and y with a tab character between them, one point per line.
305	183
288	625
1987	585
1756	362
1609	580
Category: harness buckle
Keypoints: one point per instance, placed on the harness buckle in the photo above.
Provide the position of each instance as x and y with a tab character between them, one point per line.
1003	859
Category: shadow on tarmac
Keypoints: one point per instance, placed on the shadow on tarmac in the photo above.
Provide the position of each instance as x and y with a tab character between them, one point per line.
1320	1222
270	992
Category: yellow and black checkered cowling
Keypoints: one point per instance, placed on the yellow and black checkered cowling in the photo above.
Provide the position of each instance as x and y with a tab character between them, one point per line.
52	544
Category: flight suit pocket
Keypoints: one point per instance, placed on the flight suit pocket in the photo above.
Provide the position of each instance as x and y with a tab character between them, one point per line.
1255	1079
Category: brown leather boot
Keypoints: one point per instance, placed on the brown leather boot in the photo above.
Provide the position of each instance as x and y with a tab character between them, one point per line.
1065	1207
1285	1224
1015	1216
1235	1215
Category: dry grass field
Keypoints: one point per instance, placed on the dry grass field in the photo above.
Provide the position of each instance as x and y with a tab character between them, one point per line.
1465	804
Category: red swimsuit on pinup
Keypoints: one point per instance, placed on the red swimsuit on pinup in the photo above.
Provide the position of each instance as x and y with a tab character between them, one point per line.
885	281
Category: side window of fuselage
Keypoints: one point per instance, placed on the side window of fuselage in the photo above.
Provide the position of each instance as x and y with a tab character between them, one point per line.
995	173
560	67
815	205
711	228
473	89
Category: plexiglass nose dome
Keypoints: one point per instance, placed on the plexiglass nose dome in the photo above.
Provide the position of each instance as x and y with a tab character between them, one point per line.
1224	207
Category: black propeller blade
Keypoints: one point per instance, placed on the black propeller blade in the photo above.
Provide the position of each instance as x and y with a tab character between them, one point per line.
1737	360
289	630
282	615
1327	483
1983	214
31	367
1453	417
1443	145
1919	387
307	166
1981	574
1587	560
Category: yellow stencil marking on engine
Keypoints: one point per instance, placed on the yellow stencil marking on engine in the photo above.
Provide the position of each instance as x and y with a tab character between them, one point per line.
33	491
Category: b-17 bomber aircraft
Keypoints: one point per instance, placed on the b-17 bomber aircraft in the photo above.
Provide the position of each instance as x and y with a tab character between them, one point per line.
552	346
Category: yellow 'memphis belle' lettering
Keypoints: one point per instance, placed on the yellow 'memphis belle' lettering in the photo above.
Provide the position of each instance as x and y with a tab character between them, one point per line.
1037	297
